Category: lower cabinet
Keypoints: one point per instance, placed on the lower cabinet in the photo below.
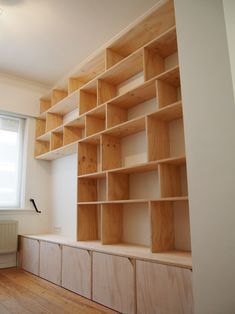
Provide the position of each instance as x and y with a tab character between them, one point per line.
114	282
163	289
50	262
76	270
30	255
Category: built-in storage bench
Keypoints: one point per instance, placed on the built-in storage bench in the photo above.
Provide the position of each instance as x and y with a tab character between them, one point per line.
126	278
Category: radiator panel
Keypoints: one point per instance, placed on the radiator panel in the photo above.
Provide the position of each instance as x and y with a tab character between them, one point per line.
8	236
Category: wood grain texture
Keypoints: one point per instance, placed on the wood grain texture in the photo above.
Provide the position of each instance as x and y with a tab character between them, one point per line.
87	101
45	104
112	58
106	91
110	152
166	94
158	22
118	186
23	293
56	140
170	180
53	121
87	190
93	125
153	64
111	223
57	95
163	289
162	227
87	158
76	270
40	127
74	83
87	223
71	134
116	115
113	282
41	147
30	255
50	262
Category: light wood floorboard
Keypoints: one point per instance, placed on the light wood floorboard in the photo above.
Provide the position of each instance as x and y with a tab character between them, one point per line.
24	293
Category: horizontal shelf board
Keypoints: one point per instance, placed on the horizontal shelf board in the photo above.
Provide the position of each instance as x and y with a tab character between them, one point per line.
173	160
174	258
171	76
169	113
46	136
92	139
127	128
59	152
76	123
136	96
124	69
143	200
143	167
98	112
165	44
95	175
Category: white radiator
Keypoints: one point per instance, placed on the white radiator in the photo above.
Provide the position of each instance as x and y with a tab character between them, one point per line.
8	236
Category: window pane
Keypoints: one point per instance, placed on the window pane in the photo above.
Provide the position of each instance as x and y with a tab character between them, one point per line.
11	132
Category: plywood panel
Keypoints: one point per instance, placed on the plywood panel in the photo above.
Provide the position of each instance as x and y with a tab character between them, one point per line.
113	282
111	152
30	255
163	289
111	223
76	270
50	262
87	223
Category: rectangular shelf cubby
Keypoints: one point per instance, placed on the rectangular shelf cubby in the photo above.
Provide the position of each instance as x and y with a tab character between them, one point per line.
87	72
116	151
41	147
95	121
56	139
88	222
57	95
165	133
161	54
169	226
88	97
173	178
129	185
116	230
40	127
139	35
53	121
92	189
45	104
117	80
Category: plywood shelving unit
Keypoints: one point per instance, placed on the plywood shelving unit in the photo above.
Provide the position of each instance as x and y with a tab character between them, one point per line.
122	113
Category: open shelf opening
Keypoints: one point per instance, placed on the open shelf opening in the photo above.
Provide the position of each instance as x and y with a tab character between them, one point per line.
119	223
40	127
167	93
91	189
87	98
96	121
165	134
133	186
173	179
53	121
45	104
41	147
57	95
56	140
88	221
170	226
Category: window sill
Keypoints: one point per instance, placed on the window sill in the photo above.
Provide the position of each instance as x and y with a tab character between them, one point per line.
15	211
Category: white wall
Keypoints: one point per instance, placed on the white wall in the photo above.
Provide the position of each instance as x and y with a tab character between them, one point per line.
19	96
229	14
64	195
209	115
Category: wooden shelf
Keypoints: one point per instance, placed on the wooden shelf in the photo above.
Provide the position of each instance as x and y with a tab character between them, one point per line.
59	153
169	113
136	201
65	105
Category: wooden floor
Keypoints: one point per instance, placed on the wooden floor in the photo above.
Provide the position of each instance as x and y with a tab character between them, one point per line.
23	293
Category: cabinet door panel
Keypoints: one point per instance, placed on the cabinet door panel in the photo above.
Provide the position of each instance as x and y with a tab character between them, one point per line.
30	255
50	262
113	282
76	270
163	289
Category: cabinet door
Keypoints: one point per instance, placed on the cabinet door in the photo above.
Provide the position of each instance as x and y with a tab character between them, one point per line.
163	289
113	282
50	262
30	255
76	270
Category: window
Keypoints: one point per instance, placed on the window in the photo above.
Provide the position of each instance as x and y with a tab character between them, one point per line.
11	153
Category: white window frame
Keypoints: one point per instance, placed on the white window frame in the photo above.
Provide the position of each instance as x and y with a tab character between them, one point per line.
20	183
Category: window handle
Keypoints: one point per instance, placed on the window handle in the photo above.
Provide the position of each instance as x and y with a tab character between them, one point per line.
34	205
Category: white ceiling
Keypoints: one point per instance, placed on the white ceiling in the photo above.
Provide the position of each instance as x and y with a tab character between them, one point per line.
42	40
